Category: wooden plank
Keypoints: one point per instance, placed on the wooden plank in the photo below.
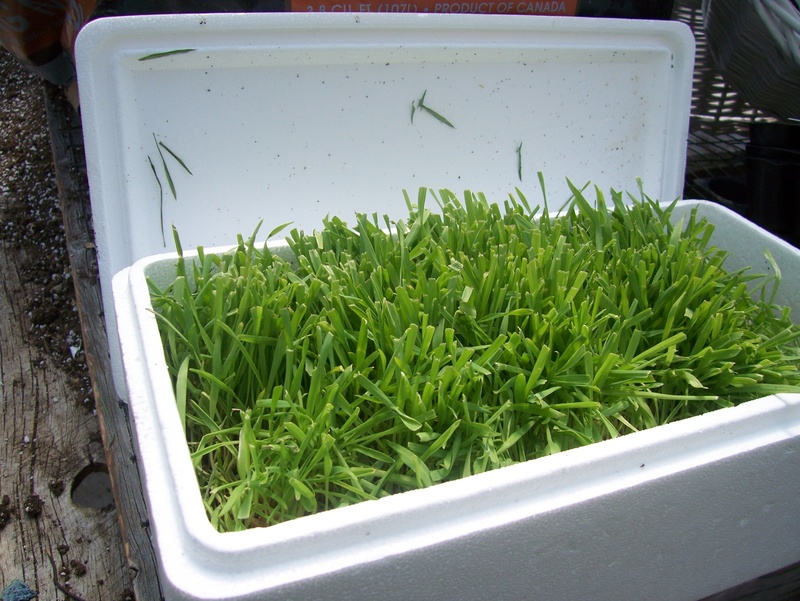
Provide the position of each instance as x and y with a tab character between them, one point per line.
112	413
49	441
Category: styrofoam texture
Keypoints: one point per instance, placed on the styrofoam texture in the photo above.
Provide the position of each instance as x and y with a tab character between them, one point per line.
677	512
289	117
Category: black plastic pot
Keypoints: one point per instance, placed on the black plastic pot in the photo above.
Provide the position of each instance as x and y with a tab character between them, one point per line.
729	191
772	162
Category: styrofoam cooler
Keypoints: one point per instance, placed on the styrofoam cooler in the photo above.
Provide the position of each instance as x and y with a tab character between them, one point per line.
289	117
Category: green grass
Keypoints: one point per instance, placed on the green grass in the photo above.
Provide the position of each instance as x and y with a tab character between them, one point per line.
467	337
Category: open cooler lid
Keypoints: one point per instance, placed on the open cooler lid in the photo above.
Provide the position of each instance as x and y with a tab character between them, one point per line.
287	117
291	117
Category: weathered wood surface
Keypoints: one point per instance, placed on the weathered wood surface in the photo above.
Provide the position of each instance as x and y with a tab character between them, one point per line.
48	439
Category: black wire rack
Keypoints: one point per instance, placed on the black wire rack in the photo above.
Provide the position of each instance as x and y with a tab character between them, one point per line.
719	124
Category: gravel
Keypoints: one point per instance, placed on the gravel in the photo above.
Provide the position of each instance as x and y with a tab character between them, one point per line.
31	224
